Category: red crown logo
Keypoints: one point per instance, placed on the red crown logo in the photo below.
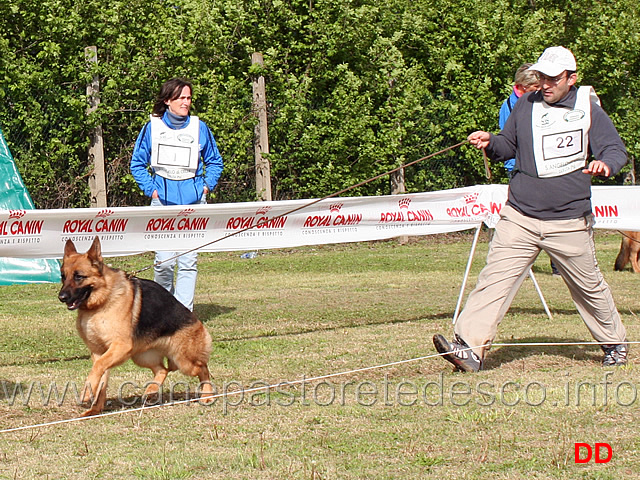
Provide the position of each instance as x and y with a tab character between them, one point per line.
335	207
104	213
17	213
471	198
263	210
404	203
186	211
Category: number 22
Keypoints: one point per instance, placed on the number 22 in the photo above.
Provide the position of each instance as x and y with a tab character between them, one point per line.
565	142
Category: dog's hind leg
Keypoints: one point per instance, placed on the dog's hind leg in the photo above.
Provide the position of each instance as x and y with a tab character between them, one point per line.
172	365
205	385
635	251
189	351
154	360
623	255
192	361
195	367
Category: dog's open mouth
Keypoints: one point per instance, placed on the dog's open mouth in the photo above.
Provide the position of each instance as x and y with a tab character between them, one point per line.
74	305
75	301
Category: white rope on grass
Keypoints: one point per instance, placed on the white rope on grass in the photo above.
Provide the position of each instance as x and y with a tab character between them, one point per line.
214	397
292	383
559	344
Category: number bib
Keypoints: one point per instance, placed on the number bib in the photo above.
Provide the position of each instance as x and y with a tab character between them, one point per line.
561	135
175	153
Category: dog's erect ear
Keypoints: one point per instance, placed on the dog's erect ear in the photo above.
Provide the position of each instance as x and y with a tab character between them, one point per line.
95	252
69	248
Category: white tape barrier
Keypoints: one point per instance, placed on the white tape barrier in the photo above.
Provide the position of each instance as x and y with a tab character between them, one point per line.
130	230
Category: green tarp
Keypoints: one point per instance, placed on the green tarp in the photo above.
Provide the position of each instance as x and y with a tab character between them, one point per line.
14	196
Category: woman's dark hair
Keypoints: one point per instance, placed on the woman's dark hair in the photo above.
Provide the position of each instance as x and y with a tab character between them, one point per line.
170	90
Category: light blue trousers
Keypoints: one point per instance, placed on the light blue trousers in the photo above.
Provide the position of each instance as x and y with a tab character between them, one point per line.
184	288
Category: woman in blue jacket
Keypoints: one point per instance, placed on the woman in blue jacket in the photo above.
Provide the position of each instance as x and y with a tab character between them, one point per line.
176	162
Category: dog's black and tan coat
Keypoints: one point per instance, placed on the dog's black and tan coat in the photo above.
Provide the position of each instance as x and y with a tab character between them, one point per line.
121	318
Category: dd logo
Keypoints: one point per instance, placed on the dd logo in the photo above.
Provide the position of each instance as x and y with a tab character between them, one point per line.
580	447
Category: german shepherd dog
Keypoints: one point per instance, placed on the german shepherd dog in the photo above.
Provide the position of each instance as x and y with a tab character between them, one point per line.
121	318
629	251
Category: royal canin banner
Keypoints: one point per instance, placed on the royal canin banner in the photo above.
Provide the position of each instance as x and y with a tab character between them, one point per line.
265	225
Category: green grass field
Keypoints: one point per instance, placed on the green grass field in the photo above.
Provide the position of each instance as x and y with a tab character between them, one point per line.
292	315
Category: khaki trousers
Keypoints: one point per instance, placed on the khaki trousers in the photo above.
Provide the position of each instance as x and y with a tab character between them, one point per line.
517	241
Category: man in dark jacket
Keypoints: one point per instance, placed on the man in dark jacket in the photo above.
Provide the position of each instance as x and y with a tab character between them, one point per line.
552	133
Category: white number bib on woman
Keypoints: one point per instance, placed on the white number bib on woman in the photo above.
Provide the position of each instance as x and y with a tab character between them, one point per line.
561	135
175	153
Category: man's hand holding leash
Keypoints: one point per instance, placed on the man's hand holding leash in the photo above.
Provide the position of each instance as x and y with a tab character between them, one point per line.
479	139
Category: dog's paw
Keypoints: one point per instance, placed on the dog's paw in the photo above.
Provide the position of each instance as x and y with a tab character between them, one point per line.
207	399
207	395
91	412
152	389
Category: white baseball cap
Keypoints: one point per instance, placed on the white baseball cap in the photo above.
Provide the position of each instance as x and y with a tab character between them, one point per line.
554	61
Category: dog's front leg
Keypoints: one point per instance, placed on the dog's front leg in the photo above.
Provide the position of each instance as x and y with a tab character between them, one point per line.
95	391
96	400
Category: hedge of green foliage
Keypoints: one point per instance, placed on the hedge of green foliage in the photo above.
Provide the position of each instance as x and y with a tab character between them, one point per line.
354	87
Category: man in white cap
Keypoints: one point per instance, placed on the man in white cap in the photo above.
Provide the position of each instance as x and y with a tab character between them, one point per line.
552	133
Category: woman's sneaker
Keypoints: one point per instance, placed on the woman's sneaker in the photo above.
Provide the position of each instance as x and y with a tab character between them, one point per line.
614	355
458	353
